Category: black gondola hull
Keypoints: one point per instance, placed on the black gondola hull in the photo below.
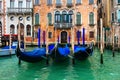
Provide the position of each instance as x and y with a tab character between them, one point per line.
27	58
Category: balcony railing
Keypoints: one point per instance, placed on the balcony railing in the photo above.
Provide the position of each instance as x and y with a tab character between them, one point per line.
20	10
63	25
58	5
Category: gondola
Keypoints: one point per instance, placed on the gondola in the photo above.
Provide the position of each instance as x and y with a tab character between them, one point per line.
31	56
82	52
60	52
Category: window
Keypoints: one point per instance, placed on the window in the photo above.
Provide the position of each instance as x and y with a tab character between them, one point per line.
113	17
91	34
28	30
0	5
70	16
50	34
78	1
49	2
20	18
91	18
36	2
58	1
36	34
69	1
12	18
28	18
20	4
0	29
118	1
49	18
91	1
28	3
12	29
78	34
36	19
57	17
118	16
64	17
11	3
78	18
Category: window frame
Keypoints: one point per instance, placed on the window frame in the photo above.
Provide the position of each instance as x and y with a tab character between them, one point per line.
36	2
91	2
91	20
49	16
77	19
37	19
91	34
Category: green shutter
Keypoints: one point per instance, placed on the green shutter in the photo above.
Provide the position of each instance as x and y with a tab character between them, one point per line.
36	19
78	18
50	18
91	18
61	18
67	18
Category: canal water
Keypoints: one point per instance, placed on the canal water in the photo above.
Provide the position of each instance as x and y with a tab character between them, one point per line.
90	69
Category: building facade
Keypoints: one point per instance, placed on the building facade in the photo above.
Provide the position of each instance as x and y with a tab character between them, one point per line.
2	18
104	13
115	21
18	13
57	19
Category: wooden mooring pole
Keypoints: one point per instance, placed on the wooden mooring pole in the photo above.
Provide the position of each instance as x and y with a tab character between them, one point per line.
101	45
72	34
113	51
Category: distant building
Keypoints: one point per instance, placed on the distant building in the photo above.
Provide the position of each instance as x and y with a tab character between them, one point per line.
17	13
115	20
2	19
57	17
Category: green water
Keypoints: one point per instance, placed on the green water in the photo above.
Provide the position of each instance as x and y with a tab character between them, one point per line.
90	69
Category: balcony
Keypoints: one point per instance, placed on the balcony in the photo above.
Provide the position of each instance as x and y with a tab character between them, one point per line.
69	4
63	25
19	11
58	5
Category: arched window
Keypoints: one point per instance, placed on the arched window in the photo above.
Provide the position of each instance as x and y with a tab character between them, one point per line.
70	16
64	17
91	18
12	29
57	17
36	19
28	28
49	18
78	18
